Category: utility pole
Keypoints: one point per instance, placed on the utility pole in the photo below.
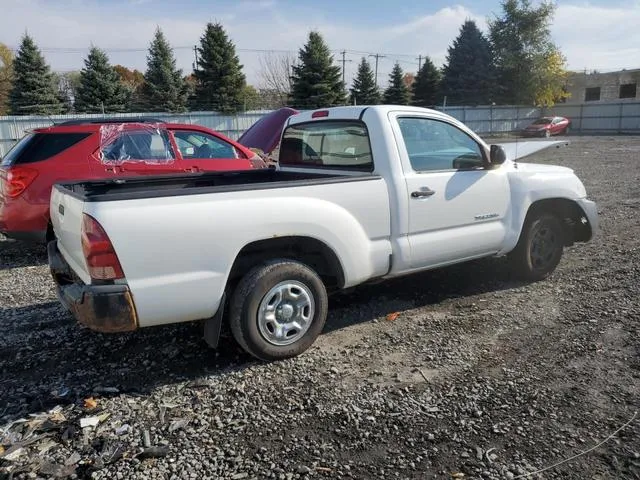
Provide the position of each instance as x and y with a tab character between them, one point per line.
419	62
344	60
195	51
377	56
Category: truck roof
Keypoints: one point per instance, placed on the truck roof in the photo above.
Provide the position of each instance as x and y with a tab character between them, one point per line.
354	112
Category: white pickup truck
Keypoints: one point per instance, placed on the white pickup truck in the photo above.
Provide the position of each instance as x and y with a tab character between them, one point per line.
360	194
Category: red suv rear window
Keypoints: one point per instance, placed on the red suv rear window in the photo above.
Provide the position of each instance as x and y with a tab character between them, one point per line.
35	147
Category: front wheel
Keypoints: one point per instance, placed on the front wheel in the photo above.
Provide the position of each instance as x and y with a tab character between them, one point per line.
278	310
540	247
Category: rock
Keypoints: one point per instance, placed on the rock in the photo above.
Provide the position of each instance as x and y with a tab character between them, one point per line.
303	470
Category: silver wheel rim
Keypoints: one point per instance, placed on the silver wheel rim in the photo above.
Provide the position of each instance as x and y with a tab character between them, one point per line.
286	313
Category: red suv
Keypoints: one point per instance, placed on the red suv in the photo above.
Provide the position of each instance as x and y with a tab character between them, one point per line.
99	148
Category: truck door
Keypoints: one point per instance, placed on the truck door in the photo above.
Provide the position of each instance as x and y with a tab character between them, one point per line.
457	206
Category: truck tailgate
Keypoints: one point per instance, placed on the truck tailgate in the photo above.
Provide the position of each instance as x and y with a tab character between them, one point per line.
66	217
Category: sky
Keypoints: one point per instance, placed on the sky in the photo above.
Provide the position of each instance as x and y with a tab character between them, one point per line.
593	35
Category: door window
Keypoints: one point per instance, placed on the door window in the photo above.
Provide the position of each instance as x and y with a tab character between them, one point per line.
149	145
435	145
198	145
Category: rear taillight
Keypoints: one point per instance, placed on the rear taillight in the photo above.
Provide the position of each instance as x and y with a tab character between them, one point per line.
18	180
101	257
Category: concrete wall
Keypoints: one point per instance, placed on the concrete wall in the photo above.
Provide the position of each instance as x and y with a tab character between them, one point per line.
609	84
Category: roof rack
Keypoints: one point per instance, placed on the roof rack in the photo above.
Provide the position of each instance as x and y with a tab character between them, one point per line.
86	121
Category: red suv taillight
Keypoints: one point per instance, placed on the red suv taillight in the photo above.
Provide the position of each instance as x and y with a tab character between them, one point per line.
17	180
101	257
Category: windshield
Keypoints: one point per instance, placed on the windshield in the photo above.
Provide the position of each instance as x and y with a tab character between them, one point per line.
542	121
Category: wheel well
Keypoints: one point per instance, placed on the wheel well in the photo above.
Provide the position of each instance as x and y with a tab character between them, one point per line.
577	227
314	253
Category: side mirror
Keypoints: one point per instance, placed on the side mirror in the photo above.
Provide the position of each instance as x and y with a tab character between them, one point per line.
497	155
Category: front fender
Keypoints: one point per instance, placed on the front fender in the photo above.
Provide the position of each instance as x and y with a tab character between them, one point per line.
530	187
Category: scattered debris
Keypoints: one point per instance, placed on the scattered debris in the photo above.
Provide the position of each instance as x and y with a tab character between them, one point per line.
73	459
121	430
93	421
90	403
154	452
146	439
89	422
393	316
178	424
56	470
13	453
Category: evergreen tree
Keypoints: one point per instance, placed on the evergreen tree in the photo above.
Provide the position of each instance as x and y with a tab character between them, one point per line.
219	78
397	92
316	82
364	90
469	73
426	86
100	88
524	53
163	89
34	91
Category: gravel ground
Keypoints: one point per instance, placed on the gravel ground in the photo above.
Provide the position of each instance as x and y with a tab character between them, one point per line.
479	376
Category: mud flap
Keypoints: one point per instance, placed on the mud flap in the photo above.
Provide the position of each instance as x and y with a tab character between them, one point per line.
213	325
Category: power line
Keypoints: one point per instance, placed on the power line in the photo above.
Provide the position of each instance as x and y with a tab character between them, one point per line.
71	50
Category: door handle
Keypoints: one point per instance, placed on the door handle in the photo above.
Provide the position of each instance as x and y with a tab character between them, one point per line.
192	169
426	192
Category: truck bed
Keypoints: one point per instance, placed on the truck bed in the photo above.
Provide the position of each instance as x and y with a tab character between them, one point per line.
198	183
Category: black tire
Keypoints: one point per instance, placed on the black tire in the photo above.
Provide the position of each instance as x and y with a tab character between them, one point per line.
532	261
250	292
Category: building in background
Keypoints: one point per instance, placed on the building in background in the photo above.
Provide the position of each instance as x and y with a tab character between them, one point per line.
618	86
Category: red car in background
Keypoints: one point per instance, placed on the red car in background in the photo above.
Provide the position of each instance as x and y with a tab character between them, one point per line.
547	127
97	149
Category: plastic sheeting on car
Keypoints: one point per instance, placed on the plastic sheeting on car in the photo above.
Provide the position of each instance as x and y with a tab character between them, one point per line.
135	142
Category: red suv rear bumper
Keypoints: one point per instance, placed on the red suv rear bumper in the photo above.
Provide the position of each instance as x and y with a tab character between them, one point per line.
22	220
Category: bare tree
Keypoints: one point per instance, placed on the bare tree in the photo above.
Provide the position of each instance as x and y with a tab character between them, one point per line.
275	74
6	76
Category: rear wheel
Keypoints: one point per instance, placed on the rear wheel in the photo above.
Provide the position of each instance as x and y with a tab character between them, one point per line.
540	247
278	310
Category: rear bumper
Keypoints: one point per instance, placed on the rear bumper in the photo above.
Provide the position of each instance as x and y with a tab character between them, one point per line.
21	220
33	237
103	308
533	133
